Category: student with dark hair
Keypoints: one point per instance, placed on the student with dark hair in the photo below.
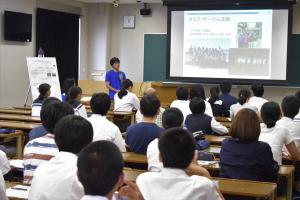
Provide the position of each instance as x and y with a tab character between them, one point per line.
257	100
45	91
140	135
275	136
178	154
199	121
41	131
103	128
125	100
217	105
57	178
197	90
243	156
172	117
182	102
74	96
68	83
114	78
41	149
290	107
242	102
227	99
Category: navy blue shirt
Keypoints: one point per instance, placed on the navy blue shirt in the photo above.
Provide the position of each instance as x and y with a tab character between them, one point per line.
248	161
228	100
115	80
37	132
139	136
198	122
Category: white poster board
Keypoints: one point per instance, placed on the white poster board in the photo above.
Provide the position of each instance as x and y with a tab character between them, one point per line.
43	70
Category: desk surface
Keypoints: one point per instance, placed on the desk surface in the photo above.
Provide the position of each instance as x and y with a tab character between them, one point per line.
16	117
15	111
19	125
131	157
216	140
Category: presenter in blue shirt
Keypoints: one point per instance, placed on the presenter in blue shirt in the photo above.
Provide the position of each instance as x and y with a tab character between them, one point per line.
114	77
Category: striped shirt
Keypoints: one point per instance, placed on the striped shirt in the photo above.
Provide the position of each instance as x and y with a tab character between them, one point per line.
36	152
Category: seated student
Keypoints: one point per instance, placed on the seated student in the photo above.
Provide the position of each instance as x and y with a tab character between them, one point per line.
44	90
2	188
42	149
41	131
217	104
276	137
182	102
125	100
258	92
199	121
68	83
74	96
290	107
297	117
198	91
243	156
57	178
140	135
103	128
244	96
139	116
99	179
4	165
178	155
171	118
227	99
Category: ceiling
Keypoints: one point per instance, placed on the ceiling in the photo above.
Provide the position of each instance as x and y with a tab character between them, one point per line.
121	1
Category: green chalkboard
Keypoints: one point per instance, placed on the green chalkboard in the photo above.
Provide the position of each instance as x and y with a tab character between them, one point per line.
155	46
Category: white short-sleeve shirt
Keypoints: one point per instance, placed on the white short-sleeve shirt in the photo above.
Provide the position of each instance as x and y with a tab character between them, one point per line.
276	137
106	130
4	163
258	102
172	184
293	127
127	103
235	108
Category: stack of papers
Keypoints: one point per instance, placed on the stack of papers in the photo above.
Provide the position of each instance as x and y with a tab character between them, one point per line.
16	164
18	191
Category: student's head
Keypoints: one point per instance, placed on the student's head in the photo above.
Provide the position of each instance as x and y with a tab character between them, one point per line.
257	89
197	105
73	133
74	93
50	100
100	103
245	126
115	63
149	105
182	93
214	94
244	96
126	85
150	91
298	94
177	148
197	91
68	83
171	118
290	106
100	167
270	113
51	113
44	90
225	87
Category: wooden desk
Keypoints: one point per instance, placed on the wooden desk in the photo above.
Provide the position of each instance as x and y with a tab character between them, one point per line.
15	117
114	114
22	107
132	174
223	119
287	171
131	157
19	136
25	126
214	149
15	111
215	140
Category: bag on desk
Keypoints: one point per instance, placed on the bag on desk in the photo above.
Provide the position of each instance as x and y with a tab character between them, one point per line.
202	144
7	130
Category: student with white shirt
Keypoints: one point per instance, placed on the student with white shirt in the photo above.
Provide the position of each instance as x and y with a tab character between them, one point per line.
125	100
276	137
57	178
100	170
172	117
2	188
180	177
198	91
199	121
243	99
103	128
74	96
258	92
290	106
182	102
297	117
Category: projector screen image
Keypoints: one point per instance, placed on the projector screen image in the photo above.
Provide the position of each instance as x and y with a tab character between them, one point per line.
233	44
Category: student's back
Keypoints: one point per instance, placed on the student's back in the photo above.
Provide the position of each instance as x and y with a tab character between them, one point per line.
44	90
124	100
227	99
74	96
217	105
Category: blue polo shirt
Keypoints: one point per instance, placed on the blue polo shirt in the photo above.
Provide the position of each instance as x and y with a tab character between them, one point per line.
139	136
115	80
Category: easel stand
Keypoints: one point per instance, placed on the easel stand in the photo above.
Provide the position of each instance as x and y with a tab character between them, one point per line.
27	96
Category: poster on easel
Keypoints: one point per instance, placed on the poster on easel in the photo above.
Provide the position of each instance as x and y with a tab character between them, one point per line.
43	70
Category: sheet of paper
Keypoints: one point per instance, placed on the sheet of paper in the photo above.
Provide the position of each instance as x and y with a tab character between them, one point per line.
18	191
206	163
85	99
16	164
